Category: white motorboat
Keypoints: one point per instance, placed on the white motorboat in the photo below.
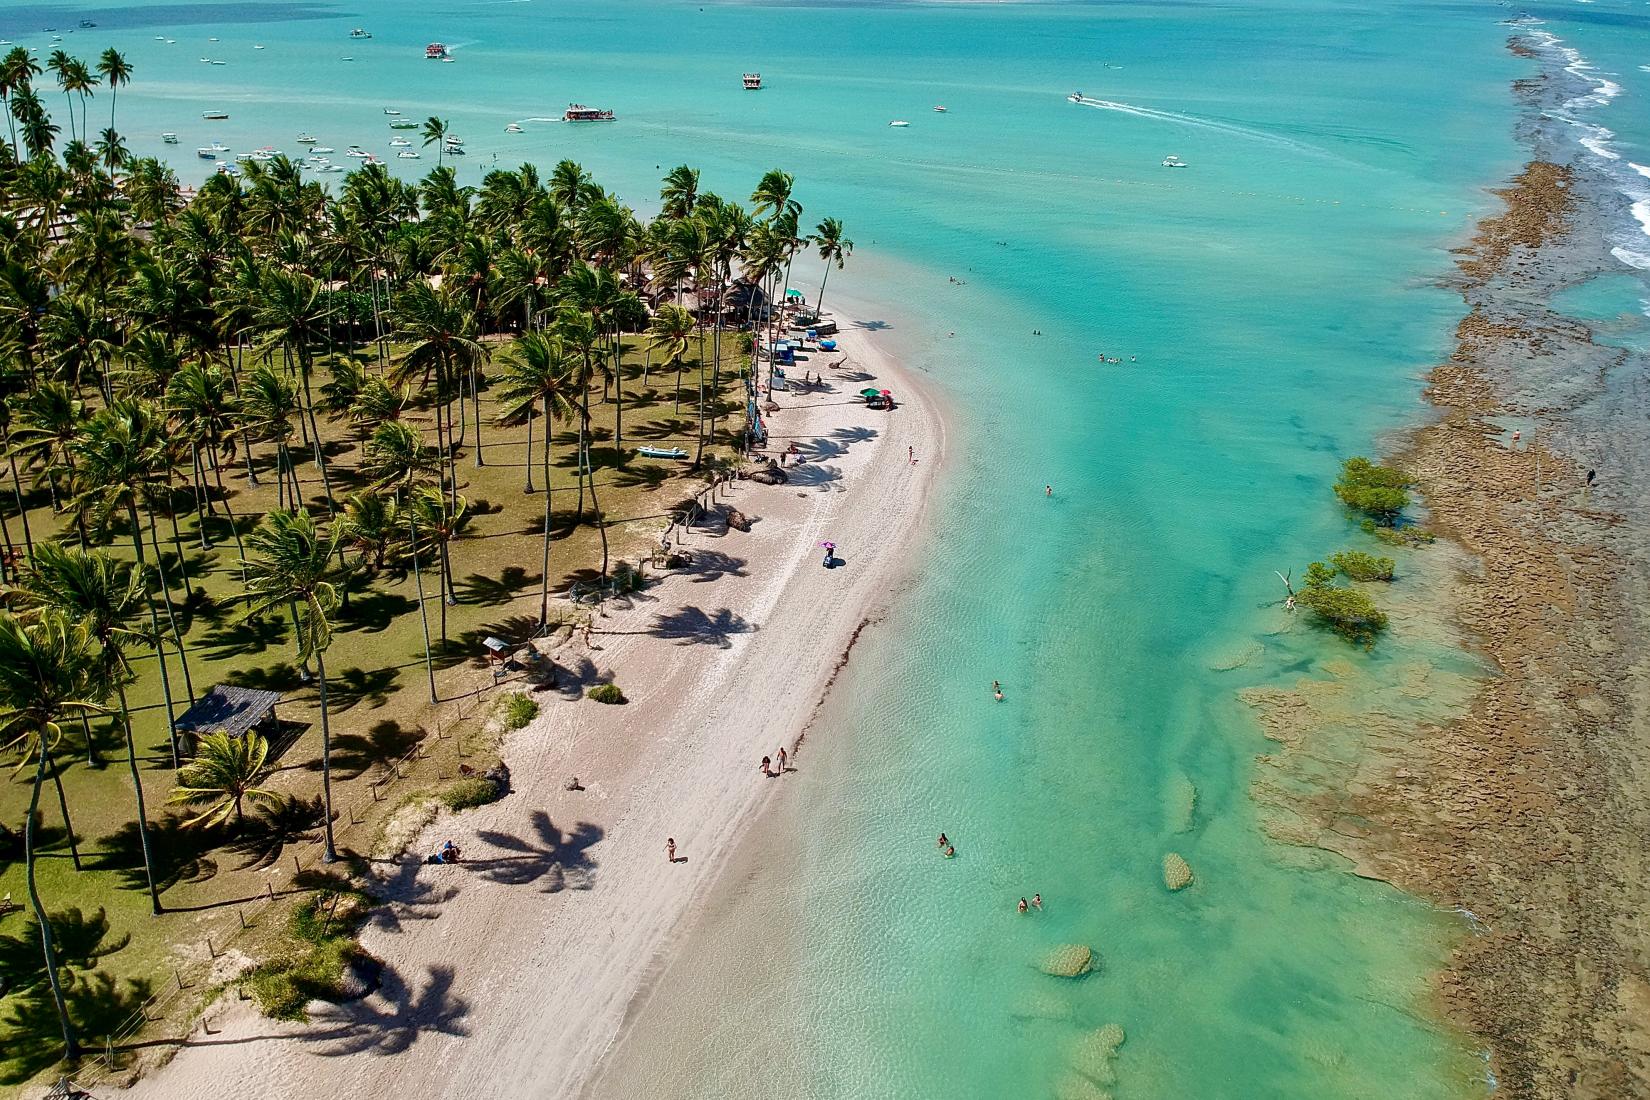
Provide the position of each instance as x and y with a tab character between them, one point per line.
206	154
391	111
306	139
753	82
169	138
220	62
218	147
513	128
1172	161
399	143
257	47
330	168
1075	97
321	149
578	112
356	151
228	170
453	141
407	154
938	109
360	33
899	122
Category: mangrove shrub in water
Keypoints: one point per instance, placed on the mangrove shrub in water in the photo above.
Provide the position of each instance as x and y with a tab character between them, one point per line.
1361	566
1380	492
1347	611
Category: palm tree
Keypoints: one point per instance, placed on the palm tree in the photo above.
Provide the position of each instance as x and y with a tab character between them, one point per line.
442	520
370	524
435	133
291	566
680	193
542	372
671	330
81	82
223	774
440	326
116	71
395	457
61	65
290	314
48	671
833	248
17	69
107	597
118	454
269	403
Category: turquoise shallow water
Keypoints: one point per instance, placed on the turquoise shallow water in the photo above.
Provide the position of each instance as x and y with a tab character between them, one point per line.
1279	296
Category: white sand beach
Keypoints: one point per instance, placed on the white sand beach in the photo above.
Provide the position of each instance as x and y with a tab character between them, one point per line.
510	974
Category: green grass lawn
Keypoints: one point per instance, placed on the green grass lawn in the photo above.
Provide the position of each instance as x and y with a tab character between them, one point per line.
378	688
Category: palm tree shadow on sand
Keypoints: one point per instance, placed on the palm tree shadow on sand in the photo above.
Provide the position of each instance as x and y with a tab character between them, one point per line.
390	1020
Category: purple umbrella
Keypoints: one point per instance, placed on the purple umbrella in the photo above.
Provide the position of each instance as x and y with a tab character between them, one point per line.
828	545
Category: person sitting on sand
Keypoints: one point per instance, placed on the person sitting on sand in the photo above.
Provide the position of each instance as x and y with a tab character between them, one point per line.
448	853
1022	905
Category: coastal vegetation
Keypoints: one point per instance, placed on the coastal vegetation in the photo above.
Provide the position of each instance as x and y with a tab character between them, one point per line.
1379	492
1346	610
1361	566
321	445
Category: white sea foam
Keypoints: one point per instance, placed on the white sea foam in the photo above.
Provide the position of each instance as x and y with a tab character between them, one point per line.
1640	260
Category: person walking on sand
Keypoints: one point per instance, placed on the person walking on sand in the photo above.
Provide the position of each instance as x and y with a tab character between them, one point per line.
910	456
767	767
1037	901
670	849
783	756
1022	905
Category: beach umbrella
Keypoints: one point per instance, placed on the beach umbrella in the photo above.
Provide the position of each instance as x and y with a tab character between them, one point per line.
887	393
828	545
792	292
872	393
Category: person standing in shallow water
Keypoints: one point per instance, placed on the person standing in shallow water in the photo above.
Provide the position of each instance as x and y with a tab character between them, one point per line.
1022	905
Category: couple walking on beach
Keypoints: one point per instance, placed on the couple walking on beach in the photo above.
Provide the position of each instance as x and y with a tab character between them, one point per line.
767	764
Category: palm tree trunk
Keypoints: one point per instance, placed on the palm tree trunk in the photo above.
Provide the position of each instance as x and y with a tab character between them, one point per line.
423	613
578	461
596	508
331	855
63	808
475	397
22	509
166	598
544	582
315	435
529	462
137	789
618	392
159	636
819	306
71	1046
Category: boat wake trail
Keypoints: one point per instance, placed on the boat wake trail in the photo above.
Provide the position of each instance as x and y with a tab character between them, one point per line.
1202	123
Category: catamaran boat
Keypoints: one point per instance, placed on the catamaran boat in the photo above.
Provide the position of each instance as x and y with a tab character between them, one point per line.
359	33
578	112
214	114
899	122
1075	97
399	143
513	128
753	82
1172	161
306	139
169	138
435	51
408	154
403	124
391	111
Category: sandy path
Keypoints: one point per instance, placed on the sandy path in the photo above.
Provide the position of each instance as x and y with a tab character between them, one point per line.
510	974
